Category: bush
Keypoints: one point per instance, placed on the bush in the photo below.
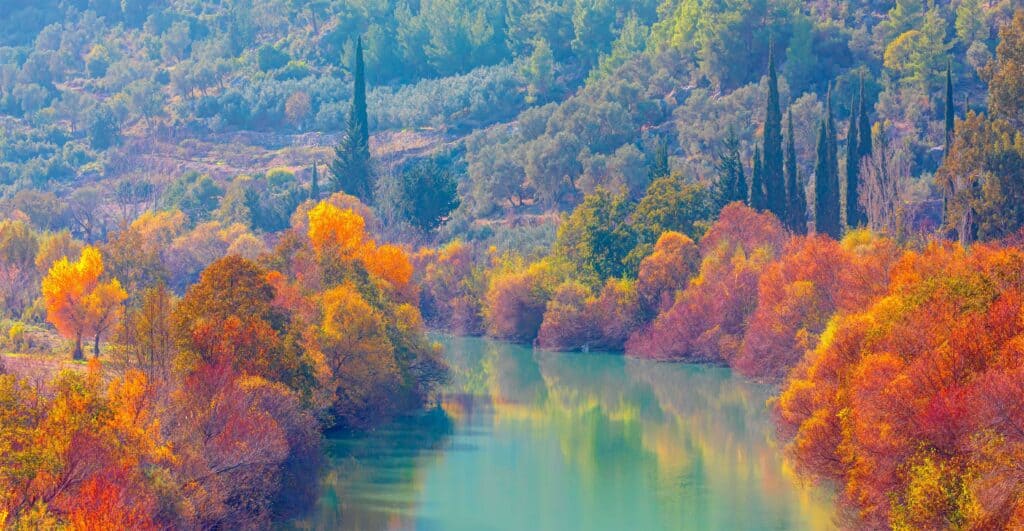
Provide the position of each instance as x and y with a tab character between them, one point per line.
270	58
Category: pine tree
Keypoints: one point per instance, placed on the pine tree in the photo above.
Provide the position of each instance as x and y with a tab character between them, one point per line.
772	168
314	184
796	198
855	216
864	124
950	109
351	170
758	200
658	160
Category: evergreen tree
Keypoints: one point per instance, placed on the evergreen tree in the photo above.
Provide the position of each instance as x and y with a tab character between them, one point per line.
826	178
854	212
772	168
758	200
314	184
351	169
864	124
796	198
950	110
732	183
359	122
658	159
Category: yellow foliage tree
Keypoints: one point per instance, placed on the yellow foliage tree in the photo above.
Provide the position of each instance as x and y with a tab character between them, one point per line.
332	228
77	302
356	348
391	263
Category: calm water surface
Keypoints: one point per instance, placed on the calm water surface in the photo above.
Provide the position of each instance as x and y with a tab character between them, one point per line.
533	440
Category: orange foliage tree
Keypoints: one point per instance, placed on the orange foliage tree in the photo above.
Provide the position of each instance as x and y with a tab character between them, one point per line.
914	405
815	278
707	320
77	302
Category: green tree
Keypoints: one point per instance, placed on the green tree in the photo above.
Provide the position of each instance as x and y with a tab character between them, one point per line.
104	130
855	216
597	237
796	194
671	205
826	179
758	200
863	124
314	184
352	169
540	72
732	181
428	194
772	169
970	22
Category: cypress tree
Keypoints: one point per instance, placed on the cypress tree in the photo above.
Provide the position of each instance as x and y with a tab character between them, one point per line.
758	200
741	181
796	198
854	212
772	168
314	184
950	110
826	178
732	183
351	169
359	120
864	124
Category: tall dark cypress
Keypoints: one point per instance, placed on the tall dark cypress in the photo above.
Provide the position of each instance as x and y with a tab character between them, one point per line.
950	109
314	184
741	182
351	170
758	199
821	193
826	178
796	195
864	124
855	216
359	120
772	169
732	182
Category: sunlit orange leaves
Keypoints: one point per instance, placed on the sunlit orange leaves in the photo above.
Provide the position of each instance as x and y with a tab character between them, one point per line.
341	234
340	230
77	302
914	404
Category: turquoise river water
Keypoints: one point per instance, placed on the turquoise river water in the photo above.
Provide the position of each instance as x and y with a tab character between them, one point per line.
531	440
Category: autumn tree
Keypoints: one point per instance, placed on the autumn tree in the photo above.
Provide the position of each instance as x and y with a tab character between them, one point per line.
667	270
146	334
18	248
885	176
78	303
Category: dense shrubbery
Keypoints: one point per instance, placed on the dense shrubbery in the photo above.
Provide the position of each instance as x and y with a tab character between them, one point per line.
912	404
214	403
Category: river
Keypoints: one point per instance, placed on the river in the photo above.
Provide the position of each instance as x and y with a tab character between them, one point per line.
529	440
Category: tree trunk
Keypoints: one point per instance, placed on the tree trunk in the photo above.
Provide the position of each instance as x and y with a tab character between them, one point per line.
96	347
77	355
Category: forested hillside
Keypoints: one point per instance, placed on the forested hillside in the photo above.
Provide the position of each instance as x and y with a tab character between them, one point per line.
249	213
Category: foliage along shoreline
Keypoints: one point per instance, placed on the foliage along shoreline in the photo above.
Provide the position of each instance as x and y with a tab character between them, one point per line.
208	408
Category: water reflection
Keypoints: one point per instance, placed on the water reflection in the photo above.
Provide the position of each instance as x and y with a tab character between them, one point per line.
534	440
